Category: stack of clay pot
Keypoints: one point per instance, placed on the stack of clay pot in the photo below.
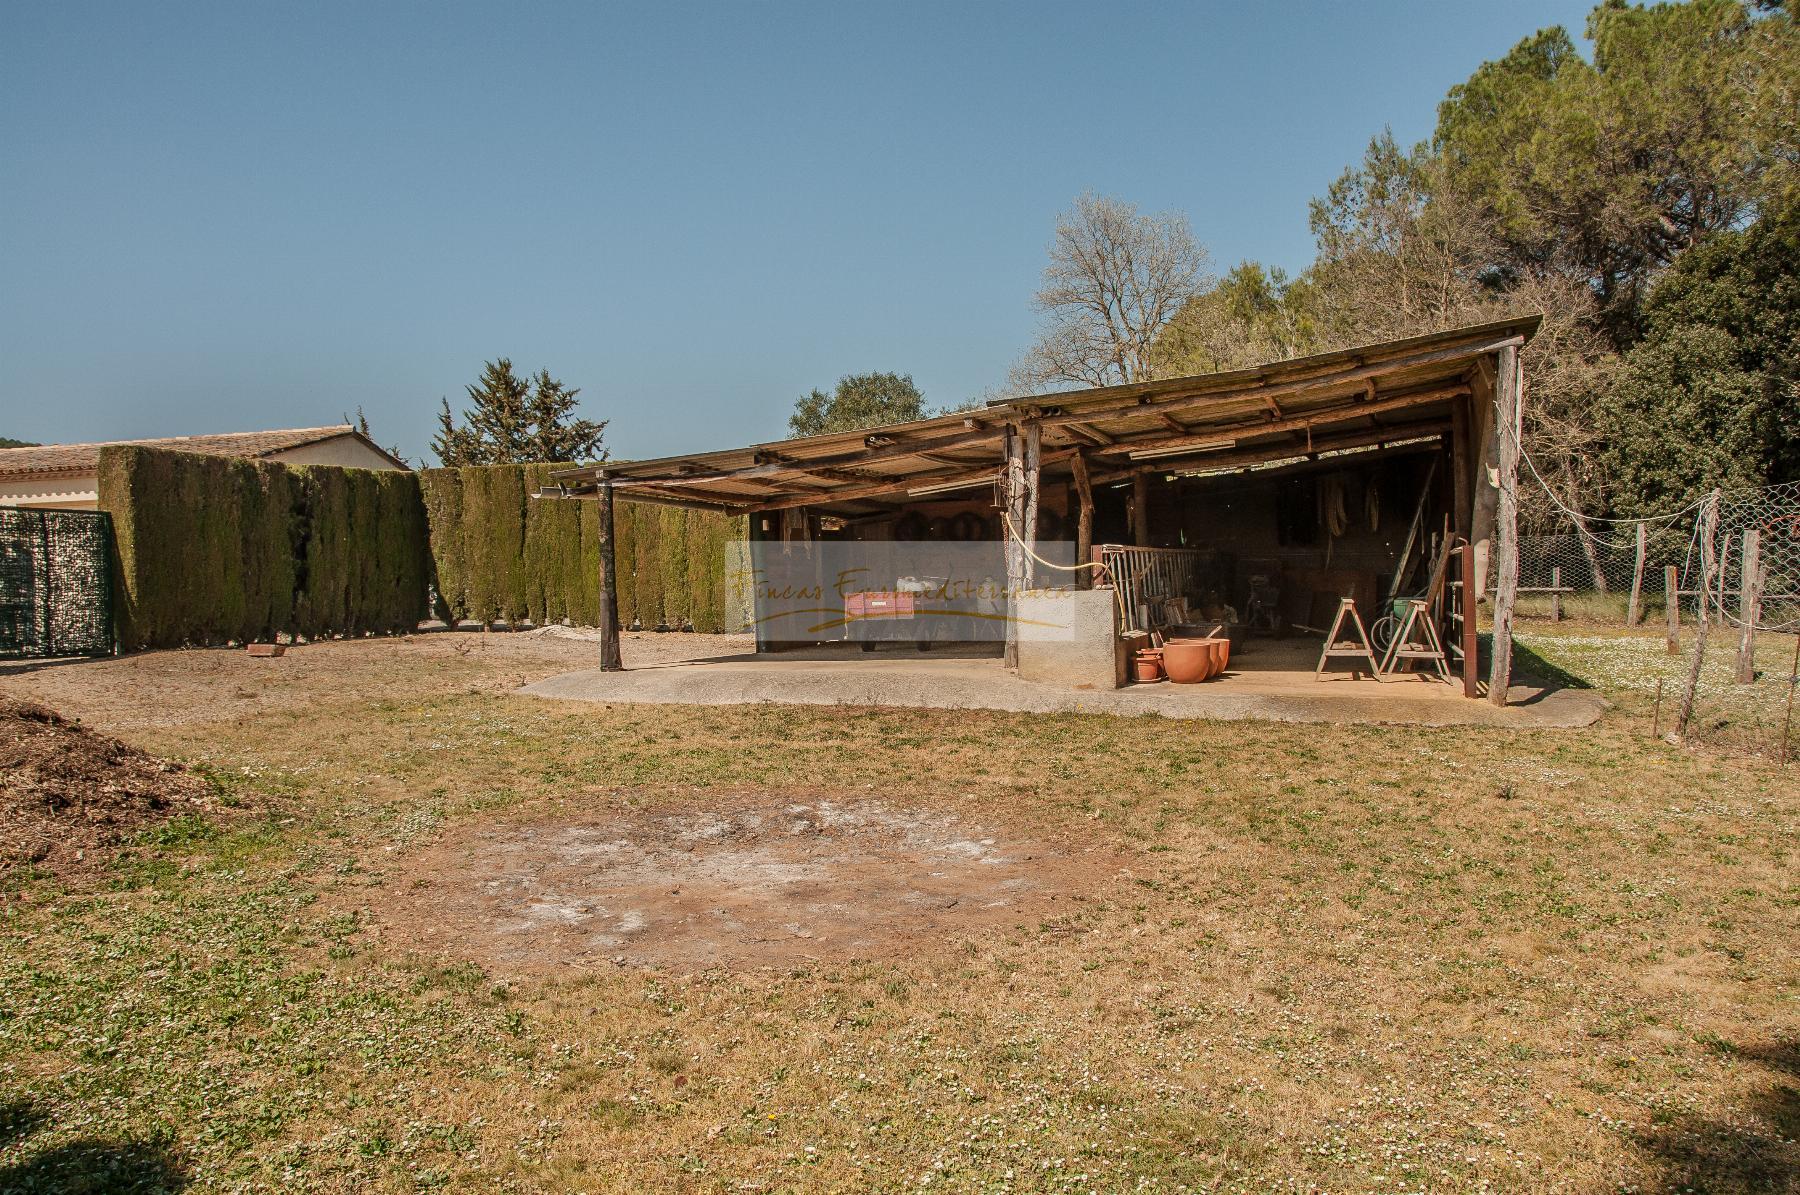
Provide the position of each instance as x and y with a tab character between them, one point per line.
1190	661
1147	666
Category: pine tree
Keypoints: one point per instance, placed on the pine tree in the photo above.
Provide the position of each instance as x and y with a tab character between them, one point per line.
512	420
556	436
500	414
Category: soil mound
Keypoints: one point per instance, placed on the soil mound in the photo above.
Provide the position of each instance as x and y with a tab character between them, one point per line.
68	793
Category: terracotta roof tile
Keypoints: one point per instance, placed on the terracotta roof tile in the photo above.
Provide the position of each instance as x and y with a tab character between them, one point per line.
54	459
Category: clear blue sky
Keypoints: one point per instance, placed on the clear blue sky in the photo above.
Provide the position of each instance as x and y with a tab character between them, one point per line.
236	216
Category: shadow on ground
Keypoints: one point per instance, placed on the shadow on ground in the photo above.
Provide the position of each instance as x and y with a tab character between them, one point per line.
87	1166
1757	1150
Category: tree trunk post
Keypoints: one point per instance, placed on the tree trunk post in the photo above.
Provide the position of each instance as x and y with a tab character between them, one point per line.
1635	611
1749	606
1556	593
1140	509
1709	526
609	585
1084	521
1023	444
1672	608
1507	423
1471	605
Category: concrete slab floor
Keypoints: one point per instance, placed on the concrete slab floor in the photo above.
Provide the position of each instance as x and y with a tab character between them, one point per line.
1279	687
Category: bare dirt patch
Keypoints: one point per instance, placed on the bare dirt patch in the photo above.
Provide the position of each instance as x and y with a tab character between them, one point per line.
753	881
67	792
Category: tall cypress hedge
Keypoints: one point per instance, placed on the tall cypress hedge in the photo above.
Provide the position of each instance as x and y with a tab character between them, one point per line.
501	554
218	550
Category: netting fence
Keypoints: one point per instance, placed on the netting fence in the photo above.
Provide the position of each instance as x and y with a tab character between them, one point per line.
1728	562
56	594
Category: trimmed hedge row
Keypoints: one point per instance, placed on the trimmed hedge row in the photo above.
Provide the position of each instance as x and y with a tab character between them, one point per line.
219	550
501	555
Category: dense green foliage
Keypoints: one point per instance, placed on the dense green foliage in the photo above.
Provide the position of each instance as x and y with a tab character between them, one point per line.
219	550
1570	187
511	420
859	400
501	555
1711	395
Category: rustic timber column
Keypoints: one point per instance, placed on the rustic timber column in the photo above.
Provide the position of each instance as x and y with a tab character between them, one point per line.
1084	522
1140	509
1023	445
1508	404
609	585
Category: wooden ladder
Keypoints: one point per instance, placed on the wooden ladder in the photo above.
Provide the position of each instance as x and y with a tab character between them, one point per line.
1358	648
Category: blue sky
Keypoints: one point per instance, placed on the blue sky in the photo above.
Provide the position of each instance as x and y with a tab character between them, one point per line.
219	218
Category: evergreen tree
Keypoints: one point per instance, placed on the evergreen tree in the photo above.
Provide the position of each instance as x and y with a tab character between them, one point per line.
512	420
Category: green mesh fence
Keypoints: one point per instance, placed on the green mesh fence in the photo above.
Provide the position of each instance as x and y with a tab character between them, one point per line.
55	583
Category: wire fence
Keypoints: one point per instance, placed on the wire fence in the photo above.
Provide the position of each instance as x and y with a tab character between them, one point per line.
55	583
1729	562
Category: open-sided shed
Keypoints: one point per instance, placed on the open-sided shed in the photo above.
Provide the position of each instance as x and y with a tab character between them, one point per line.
1169	463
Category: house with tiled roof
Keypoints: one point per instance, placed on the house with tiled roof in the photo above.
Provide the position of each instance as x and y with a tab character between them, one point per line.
66	476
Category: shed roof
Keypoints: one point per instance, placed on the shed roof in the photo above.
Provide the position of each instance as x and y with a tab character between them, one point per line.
58	460
1364	396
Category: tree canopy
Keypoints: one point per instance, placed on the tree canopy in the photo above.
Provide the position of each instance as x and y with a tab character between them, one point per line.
512	419
858	400
1641	202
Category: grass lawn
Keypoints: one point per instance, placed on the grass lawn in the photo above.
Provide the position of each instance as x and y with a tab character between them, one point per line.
1340	957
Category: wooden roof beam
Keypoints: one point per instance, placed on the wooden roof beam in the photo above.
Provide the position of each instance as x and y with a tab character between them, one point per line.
1226	435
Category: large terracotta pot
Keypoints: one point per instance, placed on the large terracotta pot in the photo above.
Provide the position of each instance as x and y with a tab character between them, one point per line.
1187	661
1224	651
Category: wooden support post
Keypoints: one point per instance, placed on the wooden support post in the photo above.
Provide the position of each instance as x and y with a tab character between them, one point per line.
1719	573
1749	606
1140	509
1084	521
1507	422
1634	612
1556	593
1672	608
610	660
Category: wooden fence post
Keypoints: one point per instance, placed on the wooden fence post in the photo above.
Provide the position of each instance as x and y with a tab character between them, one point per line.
1634	612
1140	509
1749	606
1556	593
1709	527
1672	608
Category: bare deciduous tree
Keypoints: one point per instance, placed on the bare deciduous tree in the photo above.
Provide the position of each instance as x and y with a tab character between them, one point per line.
1116	277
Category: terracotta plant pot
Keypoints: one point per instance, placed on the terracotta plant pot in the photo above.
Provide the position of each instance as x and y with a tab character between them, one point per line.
1187	661
1224	653
1147	666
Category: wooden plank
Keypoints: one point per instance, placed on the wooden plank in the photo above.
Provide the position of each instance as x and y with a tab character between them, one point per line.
610	660
1556	592
1507	423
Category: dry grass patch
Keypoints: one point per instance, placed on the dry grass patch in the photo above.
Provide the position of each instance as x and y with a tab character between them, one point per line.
1350	958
